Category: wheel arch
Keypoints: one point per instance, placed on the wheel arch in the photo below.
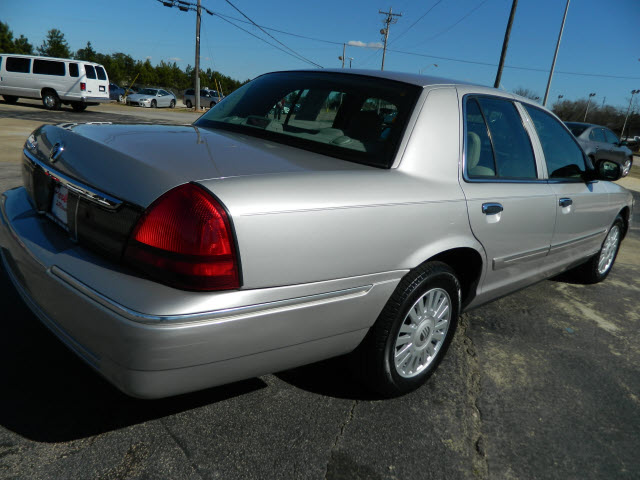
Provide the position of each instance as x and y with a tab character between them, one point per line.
48	89
625	213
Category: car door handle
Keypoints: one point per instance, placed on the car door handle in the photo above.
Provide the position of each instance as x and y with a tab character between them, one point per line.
565	202
491	208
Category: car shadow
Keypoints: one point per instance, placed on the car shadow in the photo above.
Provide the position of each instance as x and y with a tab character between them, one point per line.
50	395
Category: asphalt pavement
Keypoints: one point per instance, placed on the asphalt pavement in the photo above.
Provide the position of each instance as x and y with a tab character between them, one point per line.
542	384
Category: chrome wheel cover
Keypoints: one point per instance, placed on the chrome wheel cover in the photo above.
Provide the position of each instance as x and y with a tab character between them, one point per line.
609	249
49	101
626	167
422	333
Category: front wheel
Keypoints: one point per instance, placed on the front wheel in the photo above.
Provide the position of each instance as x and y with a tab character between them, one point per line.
626	166
413	332
154	104
189	104
212	104
50	100
599	266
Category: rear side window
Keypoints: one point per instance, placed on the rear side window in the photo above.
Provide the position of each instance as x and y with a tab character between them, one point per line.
90	71
597	135
509	142
564	157
101	73
49	67
17	64
611	137
73	70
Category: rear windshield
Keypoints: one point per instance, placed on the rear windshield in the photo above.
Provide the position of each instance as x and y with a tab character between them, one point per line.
356	118
577	128
101	73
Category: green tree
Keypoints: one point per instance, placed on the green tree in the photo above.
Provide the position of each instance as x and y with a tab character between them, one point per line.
87	53
22	46
54	45
9	45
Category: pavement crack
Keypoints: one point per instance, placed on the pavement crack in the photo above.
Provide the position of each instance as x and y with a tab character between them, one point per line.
340	434
480	464
184	450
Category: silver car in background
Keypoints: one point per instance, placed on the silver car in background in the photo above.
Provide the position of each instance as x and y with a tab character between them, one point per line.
599	143
173	258
152	97
208	98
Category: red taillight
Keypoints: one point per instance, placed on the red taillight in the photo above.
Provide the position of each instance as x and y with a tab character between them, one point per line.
83	86
184	239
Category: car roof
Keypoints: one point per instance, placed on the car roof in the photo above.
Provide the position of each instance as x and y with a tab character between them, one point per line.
40	57
405	77
582	123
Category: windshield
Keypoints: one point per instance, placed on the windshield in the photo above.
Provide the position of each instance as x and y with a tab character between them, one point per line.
148	91
577	128
353	117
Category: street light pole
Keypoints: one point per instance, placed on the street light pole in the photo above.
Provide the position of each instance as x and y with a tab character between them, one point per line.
633	92
588	102
197	84
555	55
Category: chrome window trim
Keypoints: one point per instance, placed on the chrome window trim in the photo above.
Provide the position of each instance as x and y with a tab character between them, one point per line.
469	179
80	189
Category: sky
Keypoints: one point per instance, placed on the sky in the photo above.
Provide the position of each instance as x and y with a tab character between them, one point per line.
599	52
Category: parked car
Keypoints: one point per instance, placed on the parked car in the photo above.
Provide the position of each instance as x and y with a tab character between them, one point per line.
57	81
208	98
152	97
116	92
173	258
599	142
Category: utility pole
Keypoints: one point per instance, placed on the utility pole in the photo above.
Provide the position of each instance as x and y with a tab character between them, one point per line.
555	55
505	44
588	102
385	31
344	48
633	92
196	95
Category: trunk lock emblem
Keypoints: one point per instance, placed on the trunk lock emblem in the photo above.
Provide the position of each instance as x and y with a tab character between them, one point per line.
57	149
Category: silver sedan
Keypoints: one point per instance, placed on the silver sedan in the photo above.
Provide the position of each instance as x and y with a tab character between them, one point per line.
363	221
152	97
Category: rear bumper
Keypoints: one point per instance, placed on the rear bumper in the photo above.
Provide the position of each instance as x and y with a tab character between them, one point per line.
85	99
168	341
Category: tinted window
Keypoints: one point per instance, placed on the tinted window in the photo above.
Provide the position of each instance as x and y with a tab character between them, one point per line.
479	153
48	67
189	92
511	145
17	64
577	128
331	113
101	73
73	70
596	135
91	72
561	152
611	137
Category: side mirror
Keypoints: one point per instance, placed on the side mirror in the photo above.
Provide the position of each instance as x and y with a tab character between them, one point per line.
608	170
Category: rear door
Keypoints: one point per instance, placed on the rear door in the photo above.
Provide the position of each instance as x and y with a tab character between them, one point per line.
584	212
97	81
511	207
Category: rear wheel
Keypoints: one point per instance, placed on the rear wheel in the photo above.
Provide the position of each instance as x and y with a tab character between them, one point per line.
599	266
50	100
78	106
10	99
172	104
188	104
413	332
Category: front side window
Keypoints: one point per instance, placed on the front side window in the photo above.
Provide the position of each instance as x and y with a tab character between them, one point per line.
102	75
73	70
564	157
355	118
90	71
18	64
496	124
610	136
48	67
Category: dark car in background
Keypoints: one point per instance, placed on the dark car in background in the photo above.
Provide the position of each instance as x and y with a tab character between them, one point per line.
599	143
116	92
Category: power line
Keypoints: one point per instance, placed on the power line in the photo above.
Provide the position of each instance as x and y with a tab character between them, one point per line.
456	23
413	24
259	38
271	36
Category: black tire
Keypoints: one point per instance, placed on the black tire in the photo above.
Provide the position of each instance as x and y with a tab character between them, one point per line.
212	104
188	104
154	104
50	100
10	99
374	359
78	106
593	271
172	104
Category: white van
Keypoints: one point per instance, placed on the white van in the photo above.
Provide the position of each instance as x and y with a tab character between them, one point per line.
55	80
